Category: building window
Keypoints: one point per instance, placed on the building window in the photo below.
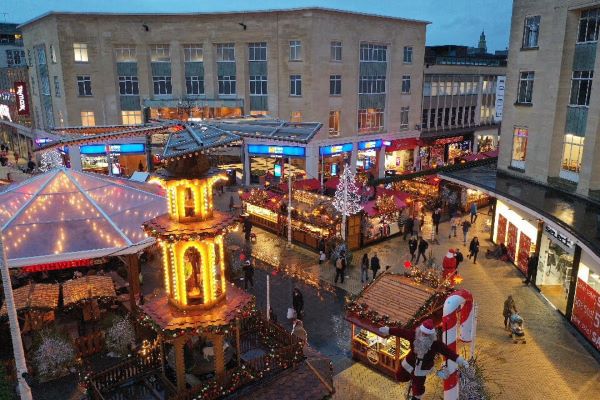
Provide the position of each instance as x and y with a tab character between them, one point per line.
226	84
426	88
15	58
257	51
52	54
370	120
160	53
406	84
572	153
81	52
404	117
588	26
519	151
295	50
334	123
87	118
371	85
162	85
408	54
525	94
335	85
131	117
258	85
225	52
336	51
193	53
296	116
84	86
128	85
125	54
295	85
531	32
373	52
194	85
56	86
581	88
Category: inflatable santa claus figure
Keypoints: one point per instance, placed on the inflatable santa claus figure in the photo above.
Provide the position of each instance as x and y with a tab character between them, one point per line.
449	264
423	348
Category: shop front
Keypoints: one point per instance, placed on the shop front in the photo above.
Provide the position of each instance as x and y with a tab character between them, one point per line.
15	120
486	143
367	156
333	158
444	151
269	162
400	156
586	304
518	231
114	159
197	109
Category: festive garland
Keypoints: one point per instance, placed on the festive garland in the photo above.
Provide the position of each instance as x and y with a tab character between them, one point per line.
258	197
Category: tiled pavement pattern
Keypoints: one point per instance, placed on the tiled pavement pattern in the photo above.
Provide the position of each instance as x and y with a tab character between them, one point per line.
553	364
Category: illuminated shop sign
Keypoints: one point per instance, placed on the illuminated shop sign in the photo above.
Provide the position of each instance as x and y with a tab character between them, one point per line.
22	98
338	148
555	234
127	148
292	151
41	141
371	144
387	142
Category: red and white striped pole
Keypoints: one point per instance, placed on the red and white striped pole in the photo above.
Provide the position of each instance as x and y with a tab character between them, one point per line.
460	300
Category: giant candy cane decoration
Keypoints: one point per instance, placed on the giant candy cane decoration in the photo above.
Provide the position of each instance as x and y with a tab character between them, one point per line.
460	300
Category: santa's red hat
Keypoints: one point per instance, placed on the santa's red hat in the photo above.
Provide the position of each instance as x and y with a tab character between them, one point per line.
427	327
450	253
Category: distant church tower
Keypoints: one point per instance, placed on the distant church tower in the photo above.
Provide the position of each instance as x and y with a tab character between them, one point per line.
482	46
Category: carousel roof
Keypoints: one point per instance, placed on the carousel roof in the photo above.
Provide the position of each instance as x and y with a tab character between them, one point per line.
64	215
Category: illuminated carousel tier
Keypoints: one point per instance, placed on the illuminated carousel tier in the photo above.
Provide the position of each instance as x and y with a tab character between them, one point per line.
165	228
163	317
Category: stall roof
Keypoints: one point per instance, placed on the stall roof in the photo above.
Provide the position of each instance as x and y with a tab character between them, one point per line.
39	296
88	287
303	184
64	215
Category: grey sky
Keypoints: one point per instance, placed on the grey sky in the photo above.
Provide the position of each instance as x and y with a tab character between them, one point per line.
453	21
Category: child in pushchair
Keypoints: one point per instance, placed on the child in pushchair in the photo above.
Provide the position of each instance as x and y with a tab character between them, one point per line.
517	333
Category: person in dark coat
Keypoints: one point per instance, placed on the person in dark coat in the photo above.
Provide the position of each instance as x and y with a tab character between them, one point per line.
459	257
412	247
375	265
531	269
247	228
436	217
422	248
408	226
298	303
340	267
474	249
248	269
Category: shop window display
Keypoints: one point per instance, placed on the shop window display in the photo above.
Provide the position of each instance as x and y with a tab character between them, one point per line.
526	248
554	273
511	241
485	143
501	231
586	307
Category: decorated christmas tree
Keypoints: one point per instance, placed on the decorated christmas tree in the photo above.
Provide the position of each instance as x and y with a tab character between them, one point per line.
347	198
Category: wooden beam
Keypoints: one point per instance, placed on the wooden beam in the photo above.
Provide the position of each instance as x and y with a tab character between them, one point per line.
180	362
238	342
219	346
133	276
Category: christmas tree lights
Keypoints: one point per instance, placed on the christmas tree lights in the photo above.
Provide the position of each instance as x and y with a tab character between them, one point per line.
347	198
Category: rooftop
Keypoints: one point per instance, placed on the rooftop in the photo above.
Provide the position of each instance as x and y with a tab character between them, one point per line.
576	215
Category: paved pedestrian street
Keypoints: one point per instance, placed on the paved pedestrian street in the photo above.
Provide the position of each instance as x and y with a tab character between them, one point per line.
554	363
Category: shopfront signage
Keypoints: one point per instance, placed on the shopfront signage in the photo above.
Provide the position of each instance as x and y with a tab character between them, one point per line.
449	140
5	112
371	144
559	237
500	85
336	149
5	95
586	312
22	98
41	141
128	148
292	151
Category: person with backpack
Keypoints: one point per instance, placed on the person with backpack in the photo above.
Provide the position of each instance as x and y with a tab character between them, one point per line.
375	265
412	247
466	225
340	267
422	248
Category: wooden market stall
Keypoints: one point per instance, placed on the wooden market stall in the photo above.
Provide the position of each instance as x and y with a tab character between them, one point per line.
36	304
391	300
88	291
381	215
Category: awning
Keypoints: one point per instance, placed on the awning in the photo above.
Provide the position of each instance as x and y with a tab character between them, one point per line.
402	144
370	207
303	184
88	287
37	296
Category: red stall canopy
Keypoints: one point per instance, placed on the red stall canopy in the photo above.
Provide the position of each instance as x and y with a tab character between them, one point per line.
402	144
312	184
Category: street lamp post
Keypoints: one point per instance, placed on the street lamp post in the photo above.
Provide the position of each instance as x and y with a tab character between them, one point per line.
15	331
289	218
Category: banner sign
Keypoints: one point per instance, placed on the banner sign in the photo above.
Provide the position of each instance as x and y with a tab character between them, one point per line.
293	151
500	85
371	144
336	149
586	312
22	98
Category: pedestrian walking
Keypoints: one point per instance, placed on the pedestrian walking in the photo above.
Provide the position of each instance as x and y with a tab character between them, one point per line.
375	266
299	331
466	225
509	308
416	227
322	256
436	217
408	227
531	269
298	303
422	248
473	212
412	247
340	267
454	224
364	268
474	249
231	203
248	269
247	228
459	257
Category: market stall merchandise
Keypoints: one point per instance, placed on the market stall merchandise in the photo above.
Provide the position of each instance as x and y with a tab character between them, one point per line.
381	215
36	303
391	300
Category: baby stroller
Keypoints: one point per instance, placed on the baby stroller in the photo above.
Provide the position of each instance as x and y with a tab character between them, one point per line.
516	329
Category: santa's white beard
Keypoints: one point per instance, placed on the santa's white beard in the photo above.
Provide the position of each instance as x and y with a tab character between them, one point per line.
422	343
